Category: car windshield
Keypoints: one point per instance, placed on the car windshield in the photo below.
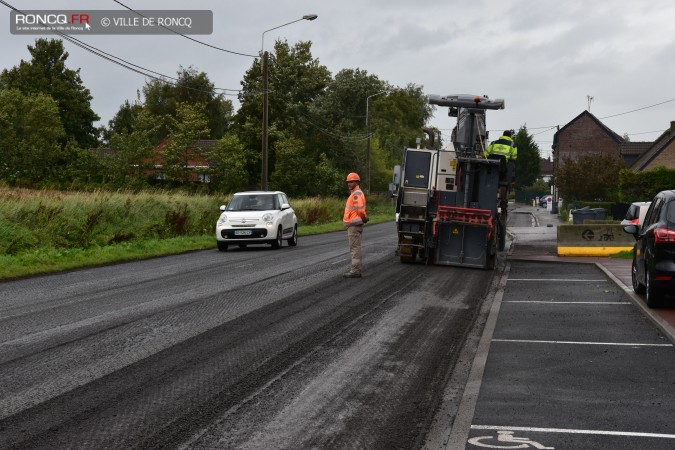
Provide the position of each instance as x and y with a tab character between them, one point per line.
253	202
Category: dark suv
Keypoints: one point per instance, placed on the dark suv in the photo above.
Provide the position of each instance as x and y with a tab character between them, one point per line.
653	268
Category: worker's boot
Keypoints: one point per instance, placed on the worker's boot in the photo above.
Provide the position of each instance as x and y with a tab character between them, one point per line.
352	275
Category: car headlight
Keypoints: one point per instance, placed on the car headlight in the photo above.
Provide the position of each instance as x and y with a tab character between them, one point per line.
268	217
222	219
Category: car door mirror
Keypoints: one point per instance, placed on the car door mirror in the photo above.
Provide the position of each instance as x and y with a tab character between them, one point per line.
285	206
222	207
631	229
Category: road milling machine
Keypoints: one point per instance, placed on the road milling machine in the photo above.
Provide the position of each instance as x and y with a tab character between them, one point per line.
451	204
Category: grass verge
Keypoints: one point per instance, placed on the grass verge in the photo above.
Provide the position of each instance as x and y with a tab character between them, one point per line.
51	260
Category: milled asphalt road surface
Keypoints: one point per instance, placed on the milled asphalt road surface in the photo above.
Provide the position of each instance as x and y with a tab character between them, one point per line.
258	348
274	349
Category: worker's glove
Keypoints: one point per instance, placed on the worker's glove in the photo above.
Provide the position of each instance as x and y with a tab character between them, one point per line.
365	220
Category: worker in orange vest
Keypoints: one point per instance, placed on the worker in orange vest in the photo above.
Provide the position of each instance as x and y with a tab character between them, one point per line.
354	218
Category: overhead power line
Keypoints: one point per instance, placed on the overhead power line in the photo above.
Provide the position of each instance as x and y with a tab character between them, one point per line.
550	127
188	37
122	62
639	109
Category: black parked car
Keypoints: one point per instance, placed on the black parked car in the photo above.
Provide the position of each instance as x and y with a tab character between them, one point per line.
653	270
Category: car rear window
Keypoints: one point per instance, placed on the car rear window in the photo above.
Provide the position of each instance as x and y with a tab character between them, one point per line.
670	214
633	212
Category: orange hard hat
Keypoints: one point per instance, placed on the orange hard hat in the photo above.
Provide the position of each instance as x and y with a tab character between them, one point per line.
353	177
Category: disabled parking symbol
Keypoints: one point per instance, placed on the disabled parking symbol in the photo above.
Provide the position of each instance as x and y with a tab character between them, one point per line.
506	439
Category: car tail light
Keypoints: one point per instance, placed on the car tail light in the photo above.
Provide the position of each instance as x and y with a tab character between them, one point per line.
664	235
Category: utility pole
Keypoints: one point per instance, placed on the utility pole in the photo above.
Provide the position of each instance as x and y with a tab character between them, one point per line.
265	130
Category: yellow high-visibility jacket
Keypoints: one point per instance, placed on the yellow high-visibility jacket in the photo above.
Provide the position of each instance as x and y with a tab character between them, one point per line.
502	146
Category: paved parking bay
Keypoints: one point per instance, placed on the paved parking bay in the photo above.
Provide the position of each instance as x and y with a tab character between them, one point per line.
568	362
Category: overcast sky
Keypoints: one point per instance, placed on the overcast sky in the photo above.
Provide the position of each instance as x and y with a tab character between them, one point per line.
549	59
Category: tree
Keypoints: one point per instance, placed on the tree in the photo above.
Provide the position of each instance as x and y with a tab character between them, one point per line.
132	152
590	177
125	120
397	120
294	167
193	88
227	160
296	79
30	134
528	168
189	126
47	73
339	119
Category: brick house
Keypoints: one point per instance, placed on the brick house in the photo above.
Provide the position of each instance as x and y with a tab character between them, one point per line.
545	169
585	135
661	153
196	165
631	151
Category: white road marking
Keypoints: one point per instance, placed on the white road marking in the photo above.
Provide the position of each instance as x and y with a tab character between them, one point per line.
509	438
568	303
564	280
572	431
339	262
628	344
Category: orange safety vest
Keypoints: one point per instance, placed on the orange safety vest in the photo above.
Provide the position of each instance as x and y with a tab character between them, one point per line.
355	209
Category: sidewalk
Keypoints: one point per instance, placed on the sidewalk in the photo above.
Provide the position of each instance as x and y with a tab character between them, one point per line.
539	243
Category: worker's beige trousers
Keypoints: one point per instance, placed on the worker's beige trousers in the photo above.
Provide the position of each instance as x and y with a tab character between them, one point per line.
354	234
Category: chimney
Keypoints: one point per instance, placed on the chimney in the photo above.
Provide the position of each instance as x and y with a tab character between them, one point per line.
672	125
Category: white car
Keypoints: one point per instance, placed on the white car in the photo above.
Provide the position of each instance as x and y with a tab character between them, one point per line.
257	217
636	213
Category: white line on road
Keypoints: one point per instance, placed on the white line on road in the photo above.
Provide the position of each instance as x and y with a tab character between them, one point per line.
628	344
571	431
564	280
569	303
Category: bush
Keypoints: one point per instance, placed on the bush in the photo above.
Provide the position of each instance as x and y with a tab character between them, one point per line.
44	219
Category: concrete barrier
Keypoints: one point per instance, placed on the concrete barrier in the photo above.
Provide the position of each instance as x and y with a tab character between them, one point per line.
593	239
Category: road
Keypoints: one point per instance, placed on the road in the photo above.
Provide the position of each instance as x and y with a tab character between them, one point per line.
254	348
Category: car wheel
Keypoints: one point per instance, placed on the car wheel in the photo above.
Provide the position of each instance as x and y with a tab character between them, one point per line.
638	287
654	295
277	242
293	241
222	246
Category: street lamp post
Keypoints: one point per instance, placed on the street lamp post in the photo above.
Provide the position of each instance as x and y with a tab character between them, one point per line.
265	129
368	133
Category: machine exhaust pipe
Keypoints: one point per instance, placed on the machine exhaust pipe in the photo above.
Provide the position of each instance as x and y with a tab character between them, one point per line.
431	137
